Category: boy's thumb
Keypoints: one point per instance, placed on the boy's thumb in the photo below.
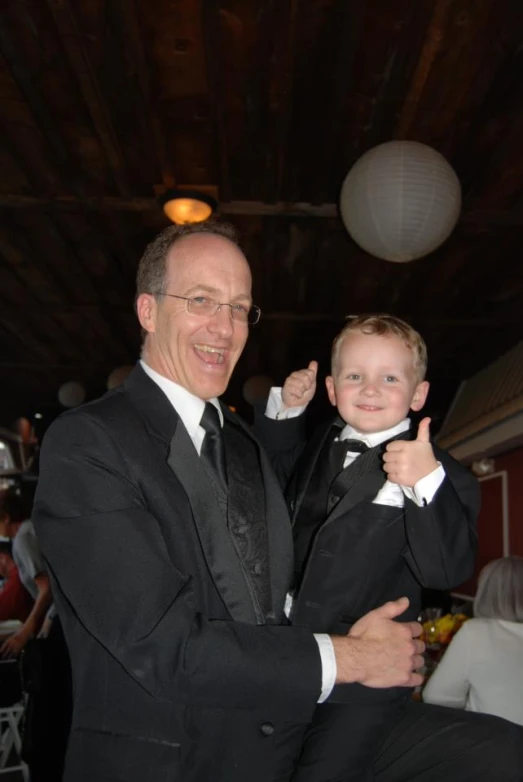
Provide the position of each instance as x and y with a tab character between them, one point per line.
424	431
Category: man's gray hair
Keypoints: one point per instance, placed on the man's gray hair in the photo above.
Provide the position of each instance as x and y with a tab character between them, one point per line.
500	590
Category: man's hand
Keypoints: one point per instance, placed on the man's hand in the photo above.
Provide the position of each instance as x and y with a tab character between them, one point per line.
379	652
300	387
407	461
13	645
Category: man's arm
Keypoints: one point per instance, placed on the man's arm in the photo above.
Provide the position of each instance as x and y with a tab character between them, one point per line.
13	645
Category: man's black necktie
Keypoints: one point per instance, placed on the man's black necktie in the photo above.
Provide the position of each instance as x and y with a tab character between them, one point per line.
213	452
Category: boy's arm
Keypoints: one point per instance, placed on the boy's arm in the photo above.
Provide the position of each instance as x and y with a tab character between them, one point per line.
281	428
442	535
441	531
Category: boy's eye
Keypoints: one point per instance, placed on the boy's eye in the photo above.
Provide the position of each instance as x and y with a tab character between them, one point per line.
353	376
390	379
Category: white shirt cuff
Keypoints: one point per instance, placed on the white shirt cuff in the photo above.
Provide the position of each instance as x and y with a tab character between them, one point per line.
424	490
275	409
328	665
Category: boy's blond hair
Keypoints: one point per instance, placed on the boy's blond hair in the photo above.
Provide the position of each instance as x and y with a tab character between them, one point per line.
382	324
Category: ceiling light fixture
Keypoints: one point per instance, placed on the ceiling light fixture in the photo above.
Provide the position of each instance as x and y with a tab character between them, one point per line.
187	206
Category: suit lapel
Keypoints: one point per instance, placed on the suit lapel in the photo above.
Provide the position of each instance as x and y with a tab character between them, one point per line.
164	426
364	489
211	524
308	463
278	526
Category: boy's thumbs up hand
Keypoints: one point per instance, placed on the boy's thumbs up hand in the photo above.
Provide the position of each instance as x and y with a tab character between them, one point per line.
300	386
408	461
423	435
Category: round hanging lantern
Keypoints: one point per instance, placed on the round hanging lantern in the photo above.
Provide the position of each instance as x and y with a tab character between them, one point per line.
117	376
71	394
256	389
400	201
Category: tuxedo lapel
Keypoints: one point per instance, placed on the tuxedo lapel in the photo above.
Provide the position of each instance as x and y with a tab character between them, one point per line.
365	489
278	526
309	460
211	523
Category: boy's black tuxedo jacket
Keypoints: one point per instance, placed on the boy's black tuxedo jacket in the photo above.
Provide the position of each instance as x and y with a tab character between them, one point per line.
365	554
172	678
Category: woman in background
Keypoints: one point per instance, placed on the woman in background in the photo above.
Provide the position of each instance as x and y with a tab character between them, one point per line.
482	670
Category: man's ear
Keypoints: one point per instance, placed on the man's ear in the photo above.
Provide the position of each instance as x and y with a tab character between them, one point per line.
331	390
146	307
420	396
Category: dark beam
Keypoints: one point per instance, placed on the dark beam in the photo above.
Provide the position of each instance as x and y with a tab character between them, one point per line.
476	217
211	26
131	28
71	39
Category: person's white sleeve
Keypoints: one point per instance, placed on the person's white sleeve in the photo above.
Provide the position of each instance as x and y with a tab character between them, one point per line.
275	409
424	490
449	684
328	665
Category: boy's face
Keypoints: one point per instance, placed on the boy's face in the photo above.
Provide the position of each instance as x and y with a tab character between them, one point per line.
374	383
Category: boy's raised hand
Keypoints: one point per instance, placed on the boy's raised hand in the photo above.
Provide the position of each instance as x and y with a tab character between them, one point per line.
300	386
407	461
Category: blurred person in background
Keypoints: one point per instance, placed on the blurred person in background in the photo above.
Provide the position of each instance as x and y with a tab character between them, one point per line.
15	600
482	670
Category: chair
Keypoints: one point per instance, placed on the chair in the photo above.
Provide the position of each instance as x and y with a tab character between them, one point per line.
11	742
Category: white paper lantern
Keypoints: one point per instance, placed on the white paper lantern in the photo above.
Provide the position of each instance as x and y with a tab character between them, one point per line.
117	376
400	201
71	394
256	389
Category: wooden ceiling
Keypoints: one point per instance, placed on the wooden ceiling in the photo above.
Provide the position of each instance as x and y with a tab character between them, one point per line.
270	102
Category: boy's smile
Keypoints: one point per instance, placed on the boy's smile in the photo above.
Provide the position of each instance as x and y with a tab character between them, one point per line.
374	382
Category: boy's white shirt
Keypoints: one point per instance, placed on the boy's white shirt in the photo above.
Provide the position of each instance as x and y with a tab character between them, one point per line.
390	494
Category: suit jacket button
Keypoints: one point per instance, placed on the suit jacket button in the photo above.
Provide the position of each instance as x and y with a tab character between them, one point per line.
267	729
293	506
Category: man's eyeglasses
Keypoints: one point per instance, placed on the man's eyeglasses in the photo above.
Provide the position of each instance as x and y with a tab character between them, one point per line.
203	305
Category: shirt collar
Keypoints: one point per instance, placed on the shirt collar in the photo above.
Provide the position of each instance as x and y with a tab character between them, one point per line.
374	438
189	407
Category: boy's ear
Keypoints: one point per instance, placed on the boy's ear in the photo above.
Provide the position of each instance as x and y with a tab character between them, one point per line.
146	311
420	396
331	390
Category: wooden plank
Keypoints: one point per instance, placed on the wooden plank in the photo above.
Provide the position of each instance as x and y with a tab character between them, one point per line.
71	39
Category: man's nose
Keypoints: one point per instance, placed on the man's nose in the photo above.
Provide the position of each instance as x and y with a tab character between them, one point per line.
222	322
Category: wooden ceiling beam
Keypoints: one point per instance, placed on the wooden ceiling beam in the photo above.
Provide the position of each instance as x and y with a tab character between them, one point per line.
131	28
474	216
211	26
78	59
44	121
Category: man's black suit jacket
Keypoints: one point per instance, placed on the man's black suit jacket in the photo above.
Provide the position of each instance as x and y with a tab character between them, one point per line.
172	678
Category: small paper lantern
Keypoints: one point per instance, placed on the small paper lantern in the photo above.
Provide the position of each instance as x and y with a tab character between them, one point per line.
71	394
117	376
256	389
400	201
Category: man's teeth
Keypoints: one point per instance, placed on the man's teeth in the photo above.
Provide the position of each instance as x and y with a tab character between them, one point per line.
218	352
209	349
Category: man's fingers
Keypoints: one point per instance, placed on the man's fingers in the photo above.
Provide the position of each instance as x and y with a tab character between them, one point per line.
424	431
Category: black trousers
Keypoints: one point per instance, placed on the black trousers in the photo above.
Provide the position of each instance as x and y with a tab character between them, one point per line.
419	742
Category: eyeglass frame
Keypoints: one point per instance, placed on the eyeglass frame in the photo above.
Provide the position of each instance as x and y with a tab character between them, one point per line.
218	305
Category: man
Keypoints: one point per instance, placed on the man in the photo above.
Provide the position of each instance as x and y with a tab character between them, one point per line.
170	550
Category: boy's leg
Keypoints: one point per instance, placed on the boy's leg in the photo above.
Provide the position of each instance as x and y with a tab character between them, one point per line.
433	743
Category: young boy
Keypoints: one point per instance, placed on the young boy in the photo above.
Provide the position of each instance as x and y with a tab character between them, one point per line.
378	512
